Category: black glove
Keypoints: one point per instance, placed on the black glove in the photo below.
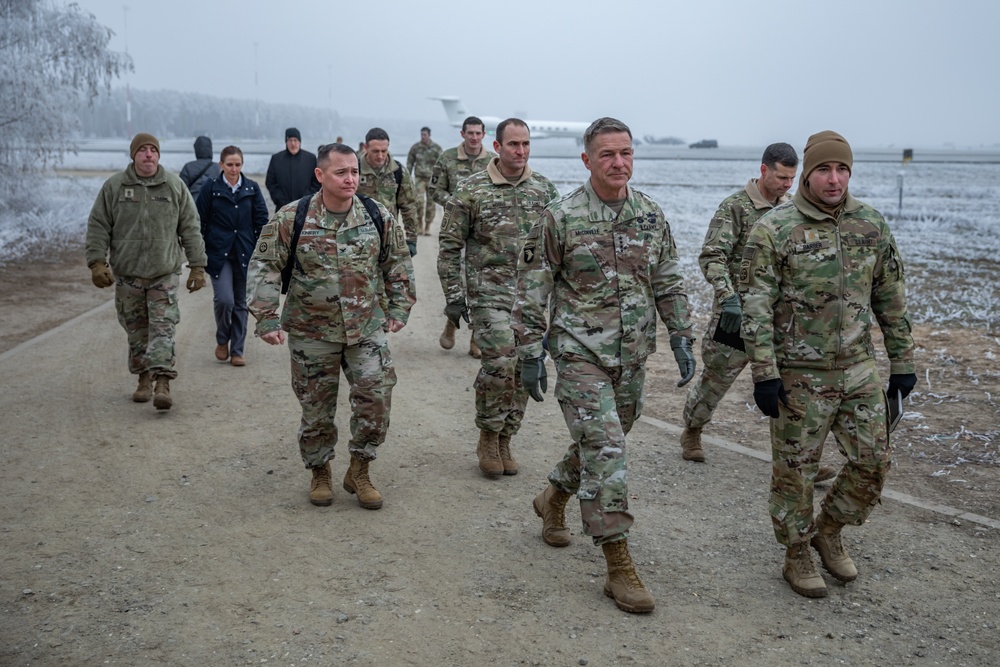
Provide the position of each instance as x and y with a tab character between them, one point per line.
732	315
454	311
901	383
681	345
767	394
534	378
412	245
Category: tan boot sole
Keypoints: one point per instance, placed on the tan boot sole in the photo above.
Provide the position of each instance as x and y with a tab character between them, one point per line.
632	609
365	504
805	592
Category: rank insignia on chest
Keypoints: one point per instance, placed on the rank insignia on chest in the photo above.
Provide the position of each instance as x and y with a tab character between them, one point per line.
364	180
129	194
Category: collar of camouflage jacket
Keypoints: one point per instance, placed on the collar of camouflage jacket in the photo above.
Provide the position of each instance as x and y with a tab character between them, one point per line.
601	211
810	210
485	152
757	199
368	169
493	169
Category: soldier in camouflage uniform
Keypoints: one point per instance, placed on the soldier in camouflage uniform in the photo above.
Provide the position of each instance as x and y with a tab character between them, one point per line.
384	180
142	219
334	315
420	162
454	166
720	262
814	273
606	259
487	219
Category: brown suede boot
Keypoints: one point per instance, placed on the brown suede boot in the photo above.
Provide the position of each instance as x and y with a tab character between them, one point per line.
321	488
624	584
474	350
356	482
447	339
488	451
506	459
161	393
691	445
825	473
831	549
800	572
550	505
144	391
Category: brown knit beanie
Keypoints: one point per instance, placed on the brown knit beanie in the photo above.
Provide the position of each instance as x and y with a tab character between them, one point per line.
825	146
140	140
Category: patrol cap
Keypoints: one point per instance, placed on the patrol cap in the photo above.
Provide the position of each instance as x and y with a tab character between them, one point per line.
292	133
825	146
140	140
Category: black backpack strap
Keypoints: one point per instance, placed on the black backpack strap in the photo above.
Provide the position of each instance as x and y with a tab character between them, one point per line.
300	219
372	208
398	175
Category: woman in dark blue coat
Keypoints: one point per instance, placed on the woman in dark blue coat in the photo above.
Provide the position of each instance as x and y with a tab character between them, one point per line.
232	211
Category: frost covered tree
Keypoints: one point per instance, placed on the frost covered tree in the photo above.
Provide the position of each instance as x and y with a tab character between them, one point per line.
54	59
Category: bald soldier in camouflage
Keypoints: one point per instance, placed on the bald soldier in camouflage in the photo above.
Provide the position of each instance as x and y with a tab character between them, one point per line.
384	180
333	315
720	262
815	272
487	219
606	259
420	162
455	165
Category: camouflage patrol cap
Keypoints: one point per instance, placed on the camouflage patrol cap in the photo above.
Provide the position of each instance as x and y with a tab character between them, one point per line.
140	140
825	146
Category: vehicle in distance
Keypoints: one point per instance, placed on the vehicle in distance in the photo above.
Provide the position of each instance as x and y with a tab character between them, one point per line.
705	143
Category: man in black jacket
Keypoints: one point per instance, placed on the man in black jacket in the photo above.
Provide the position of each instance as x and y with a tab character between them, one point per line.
292	172
202	169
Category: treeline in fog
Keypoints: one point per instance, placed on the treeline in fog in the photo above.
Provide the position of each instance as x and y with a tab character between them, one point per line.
170	114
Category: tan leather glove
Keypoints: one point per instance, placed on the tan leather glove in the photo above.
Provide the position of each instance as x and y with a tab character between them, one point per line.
196	279
100	275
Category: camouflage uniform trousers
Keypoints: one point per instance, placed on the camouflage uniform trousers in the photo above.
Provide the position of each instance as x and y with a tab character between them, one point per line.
851	403
500	398
149	313
721	365
425	204
600	406
316	380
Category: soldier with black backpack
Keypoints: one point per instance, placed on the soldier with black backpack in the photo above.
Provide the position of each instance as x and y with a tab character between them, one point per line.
330	248
385	180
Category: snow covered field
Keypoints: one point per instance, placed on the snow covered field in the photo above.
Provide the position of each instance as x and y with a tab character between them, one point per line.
948	233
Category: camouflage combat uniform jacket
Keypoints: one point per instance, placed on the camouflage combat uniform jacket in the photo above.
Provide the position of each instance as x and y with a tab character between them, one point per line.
336	296
722	251
608	275
421	159
381	186
452	168
141	221
489	217
811	284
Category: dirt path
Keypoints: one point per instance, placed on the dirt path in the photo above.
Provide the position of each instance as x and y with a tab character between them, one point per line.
131	537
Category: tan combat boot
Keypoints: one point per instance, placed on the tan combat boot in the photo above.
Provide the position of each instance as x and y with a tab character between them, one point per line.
447	339
144	391
506	458
488	451
161	393
825	473
800	572
691	445
550	505
831	549
321	488
474	350
624	584
356	482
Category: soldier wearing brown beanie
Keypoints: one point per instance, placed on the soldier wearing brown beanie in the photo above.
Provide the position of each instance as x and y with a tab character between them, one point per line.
813	277
141	220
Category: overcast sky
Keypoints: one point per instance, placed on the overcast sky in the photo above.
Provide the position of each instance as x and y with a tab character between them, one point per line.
914	73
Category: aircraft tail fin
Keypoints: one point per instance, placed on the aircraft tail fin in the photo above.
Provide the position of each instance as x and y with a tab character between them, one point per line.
454	109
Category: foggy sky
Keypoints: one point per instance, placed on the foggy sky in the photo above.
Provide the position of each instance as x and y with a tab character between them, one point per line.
881	72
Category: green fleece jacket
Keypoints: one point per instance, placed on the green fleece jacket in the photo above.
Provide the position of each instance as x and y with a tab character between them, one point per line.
144	224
